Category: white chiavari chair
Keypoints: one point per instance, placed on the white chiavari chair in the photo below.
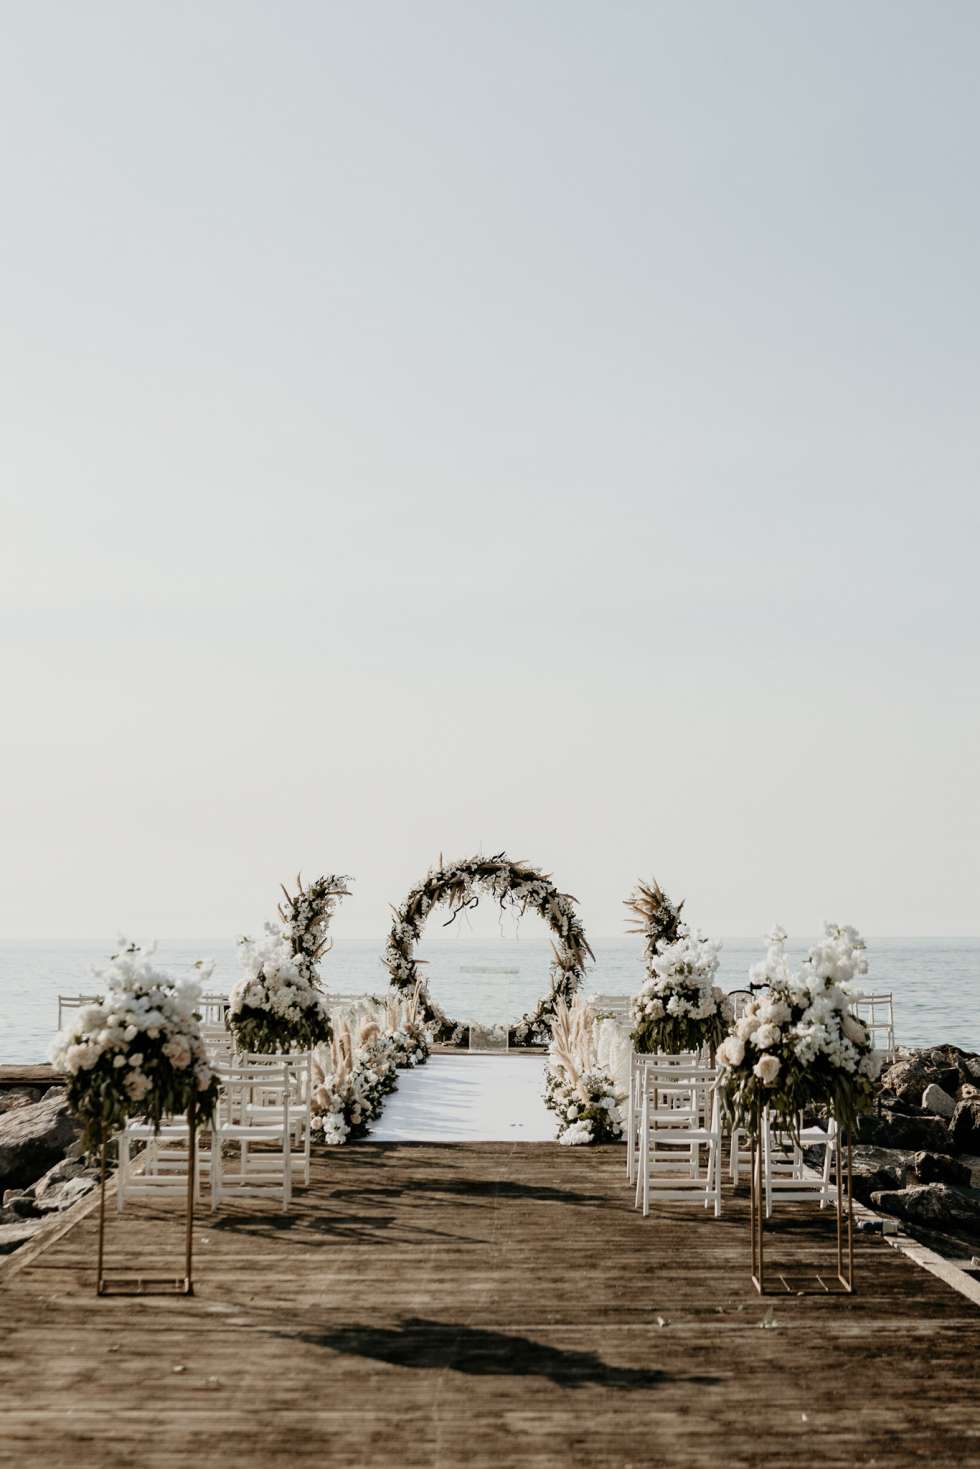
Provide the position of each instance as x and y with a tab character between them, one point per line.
680	1136
877	1013
153	1162
263	1160
212	1006
299	1065
639	1061
787	1178
738	1001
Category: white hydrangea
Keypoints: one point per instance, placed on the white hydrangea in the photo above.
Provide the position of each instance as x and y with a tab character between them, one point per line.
681	983
804	1015
274	978
576	1134
140	1000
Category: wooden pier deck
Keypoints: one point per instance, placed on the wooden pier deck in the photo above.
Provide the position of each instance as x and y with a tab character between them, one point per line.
484	1305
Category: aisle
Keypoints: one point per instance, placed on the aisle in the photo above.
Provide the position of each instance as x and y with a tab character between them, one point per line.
468	1099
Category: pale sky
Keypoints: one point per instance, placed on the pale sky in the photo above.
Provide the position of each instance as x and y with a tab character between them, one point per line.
548	426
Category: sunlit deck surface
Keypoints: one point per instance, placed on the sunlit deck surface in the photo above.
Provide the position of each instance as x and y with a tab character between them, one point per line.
479	1304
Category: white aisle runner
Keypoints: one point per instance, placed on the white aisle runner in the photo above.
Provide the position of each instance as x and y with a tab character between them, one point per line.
468	1099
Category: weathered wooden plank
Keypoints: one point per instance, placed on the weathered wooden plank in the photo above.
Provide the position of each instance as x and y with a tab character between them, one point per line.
37	1074
487	1304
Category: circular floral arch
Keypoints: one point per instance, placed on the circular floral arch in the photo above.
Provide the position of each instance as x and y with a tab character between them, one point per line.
512	885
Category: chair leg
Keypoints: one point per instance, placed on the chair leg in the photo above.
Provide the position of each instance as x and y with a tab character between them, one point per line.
828	1158
716	1149
648	1147
216	1178
629	1129
122	1175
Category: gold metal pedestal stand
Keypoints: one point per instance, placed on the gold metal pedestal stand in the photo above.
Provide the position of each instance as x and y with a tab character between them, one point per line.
153	1285
844	1283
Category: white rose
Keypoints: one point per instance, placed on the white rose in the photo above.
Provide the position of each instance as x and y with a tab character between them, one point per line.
767	1069
854	1030
766	1036
731	1052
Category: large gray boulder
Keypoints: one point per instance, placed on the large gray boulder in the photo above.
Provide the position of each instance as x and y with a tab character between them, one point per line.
970	1068
18	1206
935	1100
33	1138
12	1236
62	1171
12	1097
937	1206
964	1128
938	1168
935	1066
60	1196
906	1127
872	1168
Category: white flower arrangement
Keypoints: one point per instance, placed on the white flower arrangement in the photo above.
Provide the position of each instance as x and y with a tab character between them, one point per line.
580	1092
587	1106
679	1007
138	1050
510	884
797	1045
277	1005
274	1006
409	1048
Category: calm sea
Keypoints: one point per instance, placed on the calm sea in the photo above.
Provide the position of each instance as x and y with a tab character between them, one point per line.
936	982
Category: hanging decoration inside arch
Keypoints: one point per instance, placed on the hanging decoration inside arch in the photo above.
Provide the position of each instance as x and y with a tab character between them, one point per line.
511	884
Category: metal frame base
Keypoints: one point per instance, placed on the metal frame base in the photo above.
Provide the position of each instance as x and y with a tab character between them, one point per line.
152	1285
843	1283
144	1285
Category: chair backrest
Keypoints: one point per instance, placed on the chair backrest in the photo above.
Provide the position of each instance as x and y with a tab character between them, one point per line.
211	1007
617	1007
680	1088
738	1001
299	1069
643	1059
245	1082
74	1002
218	1041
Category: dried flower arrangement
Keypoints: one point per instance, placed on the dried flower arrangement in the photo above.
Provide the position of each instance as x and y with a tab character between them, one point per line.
581	1093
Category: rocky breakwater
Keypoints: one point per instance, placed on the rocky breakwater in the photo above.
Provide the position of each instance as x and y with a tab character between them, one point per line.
43	1168
917	1156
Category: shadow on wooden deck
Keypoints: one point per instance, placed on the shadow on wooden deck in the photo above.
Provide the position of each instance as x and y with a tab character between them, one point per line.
432	1345
488	1305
